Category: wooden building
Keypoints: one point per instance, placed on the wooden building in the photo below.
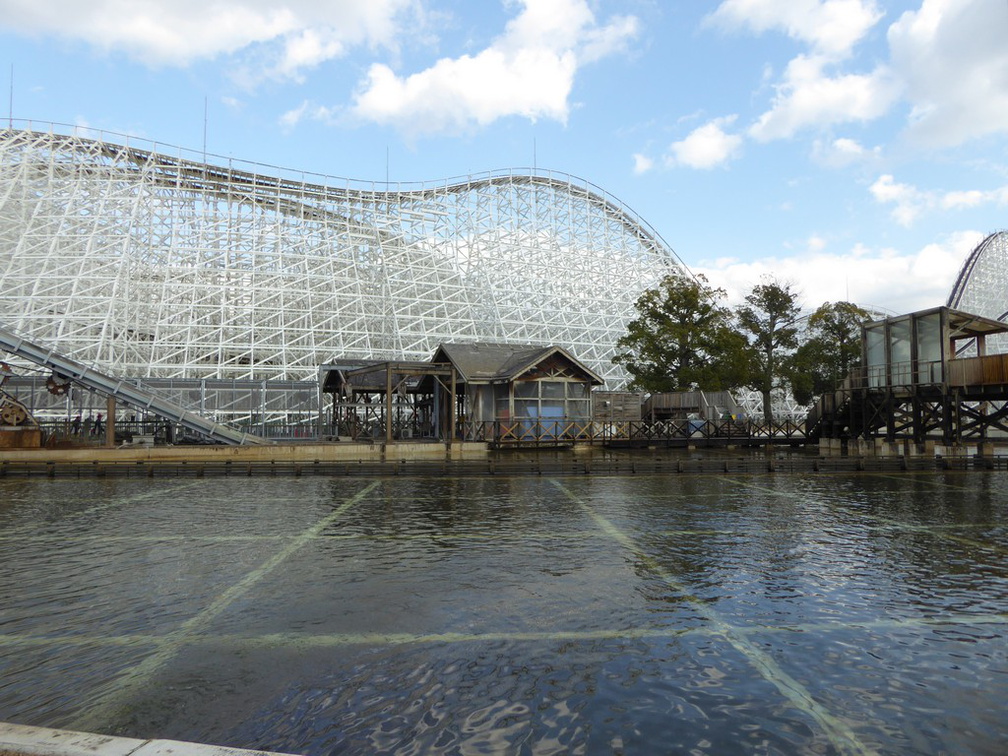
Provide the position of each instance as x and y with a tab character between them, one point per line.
519	391
682	405
477	391
926	375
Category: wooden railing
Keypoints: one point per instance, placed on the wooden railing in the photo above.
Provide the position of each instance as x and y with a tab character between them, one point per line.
978	371
565	431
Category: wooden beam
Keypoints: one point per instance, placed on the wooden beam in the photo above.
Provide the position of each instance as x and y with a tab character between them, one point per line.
110	409
388	402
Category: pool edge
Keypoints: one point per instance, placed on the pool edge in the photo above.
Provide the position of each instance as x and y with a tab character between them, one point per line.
25	740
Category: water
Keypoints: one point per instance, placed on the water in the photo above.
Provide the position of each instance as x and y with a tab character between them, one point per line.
828	613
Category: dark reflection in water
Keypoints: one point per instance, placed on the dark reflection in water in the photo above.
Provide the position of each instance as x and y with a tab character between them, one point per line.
672	614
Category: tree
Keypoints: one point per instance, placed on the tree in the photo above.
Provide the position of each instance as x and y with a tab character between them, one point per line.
768	318
682	339
832	350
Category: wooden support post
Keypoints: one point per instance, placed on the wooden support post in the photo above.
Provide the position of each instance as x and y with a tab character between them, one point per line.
110	409
451	410
388	403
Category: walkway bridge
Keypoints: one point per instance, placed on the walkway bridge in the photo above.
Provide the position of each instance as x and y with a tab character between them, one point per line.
914	385
121	390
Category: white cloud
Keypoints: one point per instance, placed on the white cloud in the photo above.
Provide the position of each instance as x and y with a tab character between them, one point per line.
830	27
881	278
707	146
842	152
300	33
947	60
809	97
814	91
642	163
528	71
912	202
310	110
816	243
954	62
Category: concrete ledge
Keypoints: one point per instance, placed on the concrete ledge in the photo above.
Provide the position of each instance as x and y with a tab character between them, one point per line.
307	453
22	740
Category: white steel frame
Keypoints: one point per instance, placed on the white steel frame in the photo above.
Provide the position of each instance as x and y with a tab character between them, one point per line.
982	285
981	288
154	262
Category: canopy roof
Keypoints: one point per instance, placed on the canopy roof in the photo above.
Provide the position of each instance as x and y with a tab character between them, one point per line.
961	324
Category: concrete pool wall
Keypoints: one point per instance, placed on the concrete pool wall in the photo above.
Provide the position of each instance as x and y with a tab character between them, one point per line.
22	740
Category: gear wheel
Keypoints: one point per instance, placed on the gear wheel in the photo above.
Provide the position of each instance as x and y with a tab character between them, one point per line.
57	384
12	414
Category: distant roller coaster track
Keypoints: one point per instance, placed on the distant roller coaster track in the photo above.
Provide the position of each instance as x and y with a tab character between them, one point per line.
153	261
982	284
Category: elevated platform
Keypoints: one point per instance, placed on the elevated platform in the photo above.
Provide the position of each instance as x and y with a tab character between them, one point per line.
923	377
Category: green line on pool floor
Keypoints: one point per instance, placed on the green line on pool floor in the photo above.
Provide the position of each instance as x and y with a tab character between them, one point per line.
840	734
276	640
160	493
94	717
935	531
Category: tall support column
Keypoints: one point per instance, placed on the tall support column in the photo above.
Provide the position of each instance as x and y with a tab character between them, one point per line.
110	409
451	411
918	430
388	403
890	416
949	421
320	398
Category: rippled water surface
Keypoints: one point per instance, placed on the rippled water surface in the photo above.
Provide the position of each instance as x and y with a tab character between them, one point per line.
652	614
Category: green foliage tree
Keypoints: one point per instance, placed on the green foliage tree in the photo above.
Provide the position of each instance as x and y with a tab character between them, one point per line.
832	350
682	339
769	318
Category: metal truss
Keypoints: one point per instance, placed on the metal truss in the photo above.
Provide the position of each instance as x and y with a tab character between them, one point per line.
152	262
982	285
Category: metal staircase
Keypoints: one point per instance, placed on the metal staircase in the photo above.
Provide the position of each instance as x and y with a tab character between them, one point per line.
121	390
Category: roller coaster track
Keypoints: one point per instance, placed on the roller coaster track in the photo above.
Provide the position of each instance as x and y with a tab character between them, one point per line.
122	390
145	259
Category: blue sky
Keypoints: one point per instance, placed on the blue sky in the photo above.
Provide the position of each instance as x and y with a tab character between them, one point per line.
855	148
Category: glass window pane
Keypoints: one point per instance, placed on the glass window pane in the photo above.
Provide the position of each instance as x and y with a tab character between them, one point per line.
899	351
578	409
526	389
526	408
503	409
929	349
577	390
552	390
876	355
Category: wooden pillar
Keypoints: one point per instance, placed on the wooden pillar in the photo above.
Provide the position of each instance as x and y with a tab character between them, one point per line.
388	402
917	416
890	415
110	410
451	409
320	426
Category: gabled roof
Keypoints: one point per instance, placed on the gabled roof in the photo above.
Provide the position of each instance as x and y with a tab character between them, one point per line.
482	362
